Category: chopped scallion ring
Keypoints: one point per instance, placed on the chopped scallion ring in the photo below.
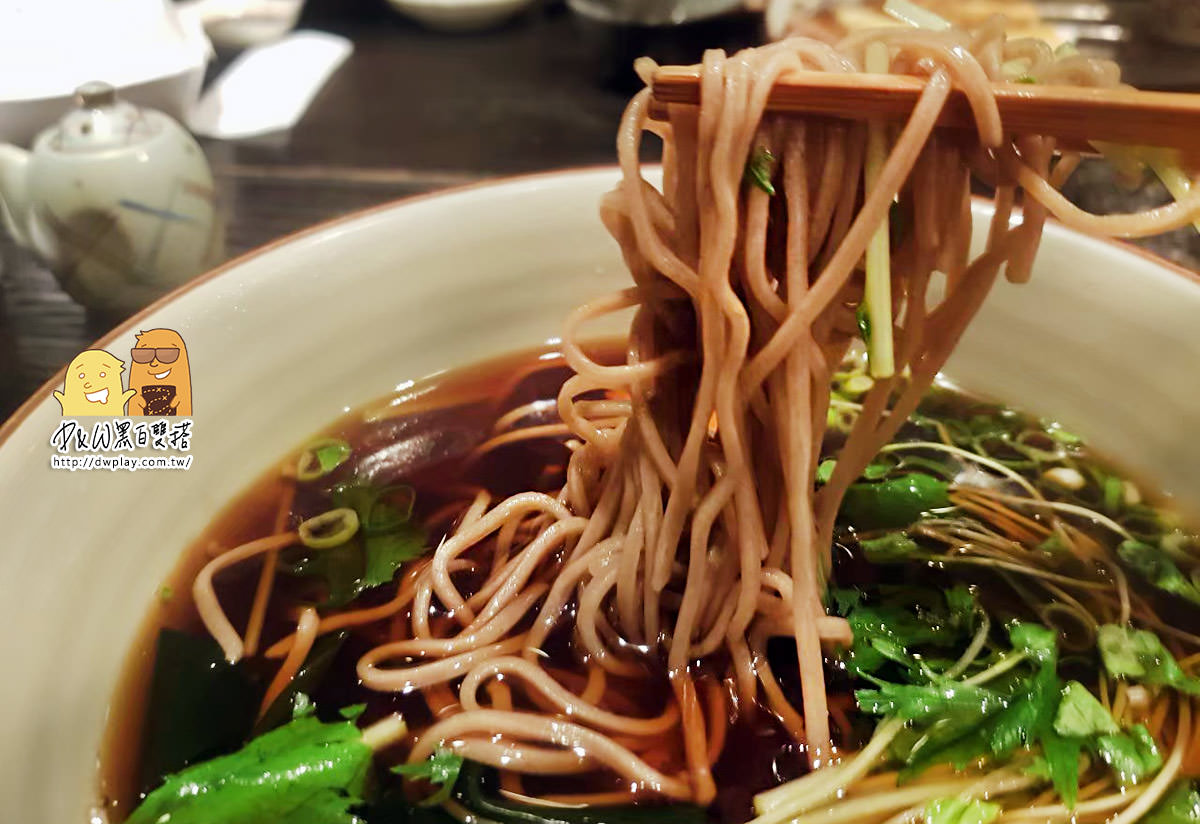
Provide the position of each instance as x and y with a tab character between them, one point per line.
329	529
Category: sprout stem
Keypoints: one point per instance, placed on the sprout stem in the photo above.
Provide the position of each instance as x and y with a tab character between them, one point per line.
878	293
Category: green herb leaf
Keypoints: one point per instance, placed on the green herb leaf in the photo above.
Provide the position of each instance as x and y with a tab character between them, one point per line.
440	769
304	771
1035	640
388	551
1081	714
1132	756
893	503
1141	656
1157	568
922	702
1062	759
960	810
1180	806
759	170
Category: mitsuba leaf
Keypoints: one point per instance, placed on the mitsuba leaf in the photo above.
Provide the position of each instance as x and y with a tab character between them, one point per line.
1081	714
1139	655
305	772
1180	806
923	702
1156	567
1132	756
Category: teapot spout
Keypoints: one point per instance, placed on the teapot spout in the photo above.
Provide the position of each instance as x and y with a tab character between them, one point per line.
14	192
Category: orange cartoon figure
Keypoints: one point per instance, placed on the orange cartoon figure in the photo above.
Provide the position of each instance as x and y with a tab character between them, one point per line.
93	385
160	375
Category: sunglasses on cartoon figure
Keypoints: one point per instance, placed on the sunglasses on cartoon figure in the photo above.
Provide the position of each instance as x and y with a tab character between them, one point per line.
146	355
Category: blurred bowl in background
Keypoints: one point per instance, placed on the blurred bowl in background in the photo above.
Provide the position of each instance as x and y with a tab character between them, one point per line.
459	15
146	49
239	24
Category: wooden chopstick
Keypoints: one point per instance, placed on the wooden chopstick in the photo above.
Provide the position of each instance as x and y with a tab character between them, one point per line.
1077	116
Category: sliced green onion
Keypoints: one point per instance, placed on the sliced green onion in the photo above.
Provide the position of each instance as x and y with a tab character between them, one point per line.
877	296
914	15
329	529
321	457
759	169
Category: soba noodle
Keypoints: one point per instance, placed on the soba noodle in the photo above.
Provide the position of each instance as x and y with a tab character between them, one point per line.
689	533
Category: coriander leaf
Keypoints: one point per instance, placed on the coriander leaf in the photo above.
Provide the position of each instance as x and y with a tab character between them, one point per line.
304	771
379	509
1141	656
340	567
960	810
441	768
759	169
1157	568
388	551
1180	806
893	503
1081	714
1132	756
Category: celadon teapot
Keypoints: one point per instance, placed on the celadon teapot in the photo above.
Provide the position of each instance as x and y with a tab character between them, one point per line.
117	200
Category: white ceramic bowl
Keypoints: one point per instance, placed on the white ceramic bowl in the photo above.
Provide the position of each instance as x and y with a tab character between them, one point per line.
285	339
459	15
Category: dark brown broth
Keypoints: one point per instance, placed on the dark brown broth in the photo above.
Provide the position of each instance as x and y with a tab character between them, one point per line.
419	437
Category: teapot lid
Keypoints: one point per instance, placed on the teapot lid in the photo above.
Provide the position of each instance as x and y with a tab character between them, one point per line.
101	121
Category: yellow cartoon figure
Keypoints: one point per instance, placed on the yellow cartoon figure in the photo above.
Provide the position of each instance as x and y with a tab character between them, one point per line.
160	376
93	385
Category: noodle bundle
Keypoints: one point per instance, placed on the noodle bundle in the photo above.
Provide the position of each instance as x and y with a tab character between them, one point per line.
689	533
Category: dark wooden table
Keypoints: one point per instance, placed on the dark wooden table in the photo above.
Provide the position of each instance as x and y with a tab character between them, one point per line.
412	111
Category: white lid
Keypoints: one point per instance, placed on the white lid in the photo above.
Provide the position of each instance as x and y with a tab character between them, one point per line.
48	48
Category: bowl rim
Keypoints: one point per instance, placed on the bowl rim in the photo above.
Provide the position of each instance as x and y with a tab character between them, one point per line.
9	427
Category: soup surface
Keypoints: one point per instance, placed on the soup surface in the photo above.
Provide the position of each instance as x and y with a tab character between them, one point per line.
938	551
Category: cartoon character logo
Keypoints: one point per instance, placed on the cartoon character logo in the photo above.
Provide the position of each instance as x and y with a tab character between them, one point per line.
93	385
159	376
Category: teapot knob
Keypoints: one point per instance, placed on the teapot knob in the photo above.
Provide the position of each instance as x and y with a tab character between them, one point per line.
95	95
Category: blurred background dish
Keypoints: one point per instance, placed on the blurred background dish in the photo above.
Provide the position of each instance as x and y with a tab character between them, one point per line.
155	56
413	110
459	15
